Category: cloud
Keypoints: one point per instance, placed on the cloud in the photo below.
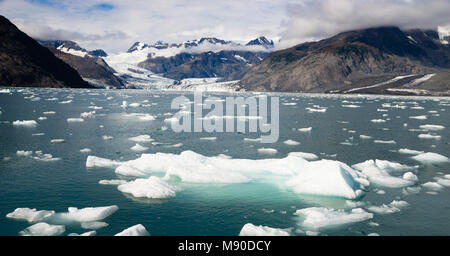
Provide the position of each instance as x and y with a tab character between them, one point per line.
316	19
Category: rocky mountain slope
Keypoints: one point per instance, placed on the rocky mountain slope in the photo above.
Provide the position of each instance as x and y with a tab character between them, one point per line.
373	60
25	63
89	64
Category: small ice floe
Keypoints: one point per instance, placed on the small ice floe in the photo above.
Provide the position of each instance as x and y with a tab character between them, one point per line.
378	172
88	214
351	106
75	120
5	91
94	225
406	151
251	230
434	186
178	145
43	229
49	113
136	230
139	148
93	162
85	150
89	233
142	138
106	137
378	121
431	158
418	117
252	140
316	218
385	141
429	136
289	104
65	102
26	123
112	182
316	110
30	215
134	105
308	129
57	141
269	151
432	127
153	188
141	116
306	156
42	118
365	137
95	107
24	153
291	142
208	138
393	207
90	114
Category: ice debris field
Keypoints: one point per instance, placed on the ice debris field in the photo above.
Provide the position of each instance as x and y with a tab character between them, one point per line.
99	162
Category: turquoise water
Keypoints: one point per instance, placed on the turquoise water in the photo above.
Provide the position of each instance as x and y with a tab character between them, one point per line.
213	209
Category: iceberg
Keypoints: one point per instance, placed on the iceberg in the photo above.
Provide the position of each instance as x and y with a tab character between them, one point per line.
316	218
252	230
43	229
136	230
94	225
153	188
139	148
291	142
30	215
393	207
93	161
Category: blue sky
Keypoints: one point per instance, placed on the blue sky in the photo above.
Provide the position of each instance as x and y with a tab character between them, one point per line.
116	24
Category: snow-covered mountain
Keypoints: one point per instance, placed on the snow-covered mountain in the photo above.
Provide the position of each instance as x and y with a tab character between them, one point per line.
164	64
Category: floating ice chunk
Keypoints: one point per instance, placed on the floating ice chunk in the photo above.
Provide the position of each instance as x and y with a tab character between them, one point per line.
106	137
433	186
378	173
28	123
308	129
112	182
135	105
45	157
30	215
75	120
373	234
142	138
393	207
306	156
316	110
141	116
49	113
270	151
136	230
410	151
85	150
378	121
291	142
93	161
208	138
152	187
385	141
43	229
24	153
124	104
94	225
128	170
178	145
5	91
411	190
447	176
95	107
319	217
327	178
410	176
89	233
139	148
42	118
365	137
252	140
90	114
252	230
57	141
65	102
429	136
88	214
431	158
351	106
418	117
432	127
443	182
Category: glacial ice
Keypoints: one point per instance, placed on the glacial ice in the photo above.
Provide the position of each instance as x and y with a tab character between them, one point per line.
43	229
429	136
89	233
142	138
24	153
85	150
251	230
94	225
93	161
316	218
139	148
308	129
75	120
30	215
291	142
57	141
432	127
418	117
112	182
433	186
269	151
385	141
152	187
410	151
393	207
136	230
306	156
